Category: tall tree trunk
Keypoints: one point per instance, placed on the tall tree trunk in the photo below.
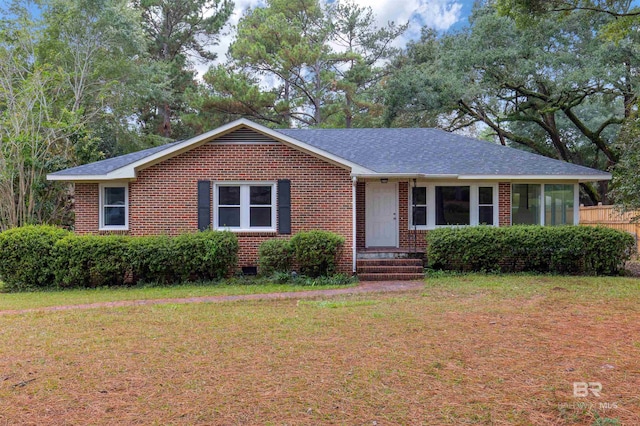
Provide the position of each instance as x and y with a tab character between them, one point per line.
316	96
164	127
348	116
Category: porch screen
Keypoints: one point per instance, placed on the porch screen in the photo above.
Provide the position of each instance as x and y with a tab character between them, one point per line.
525	204
558	204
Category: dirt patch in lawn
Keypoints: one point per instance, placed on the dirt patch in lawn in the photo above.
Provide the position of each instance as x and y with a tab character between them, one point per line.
632	268
443	356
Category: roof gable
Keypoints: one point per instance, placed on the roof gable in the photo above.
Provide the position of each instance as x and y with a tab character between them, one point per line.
239	131
243	135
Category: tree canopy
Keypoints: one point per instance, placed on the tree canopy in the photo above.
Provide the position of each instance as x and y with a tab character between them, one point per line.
556	88
178	33
304	63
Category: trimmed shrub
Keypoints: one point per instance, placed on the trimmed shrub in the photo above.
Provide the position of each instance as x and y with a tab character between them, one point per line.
559	250
44	256
275	255
316	252
204	255
152	259
91	260
26	254
199	256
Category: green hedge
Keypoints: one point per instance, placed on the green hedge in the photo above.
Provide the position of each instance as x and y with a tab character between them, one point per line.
152	259
205	255
559	250
26	256
91	260
42	256
316	252
275	255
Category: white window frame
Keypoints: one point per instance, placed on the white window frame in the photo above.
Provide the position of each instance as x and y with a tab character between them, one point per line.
474	204
427	206
543	201
102	226
494	204
245	206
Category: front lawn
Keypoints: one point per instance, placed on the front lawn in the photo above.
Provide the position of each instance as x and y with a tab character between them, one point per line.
465	350
39	299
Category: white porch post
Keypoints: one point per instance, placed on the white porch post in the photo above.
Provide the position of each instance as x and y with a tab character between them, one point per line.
354	180
576	204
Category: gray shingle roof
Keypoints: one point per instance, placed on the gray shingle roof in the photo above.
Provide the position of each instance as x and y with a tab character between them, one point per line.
432	152
105	166
401	151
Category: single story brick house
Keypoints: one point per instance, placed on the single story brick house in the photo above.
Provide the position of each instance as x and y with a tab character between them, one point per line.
382	189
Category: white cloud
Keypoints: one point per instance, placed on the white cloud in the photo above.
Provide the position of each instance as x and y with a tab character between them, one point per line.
437	14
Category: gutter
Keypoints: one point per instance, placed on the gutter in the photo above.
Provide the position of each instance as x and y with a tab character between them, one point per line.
508	178
403	175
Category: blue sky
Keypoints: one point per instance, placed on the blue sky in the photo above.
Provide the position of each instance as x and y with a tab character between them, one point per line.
442	15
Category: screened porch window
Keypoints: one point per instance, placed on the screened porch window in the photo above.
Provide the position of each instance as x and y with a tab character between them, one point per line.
549	204
453	206
419	205
485	205
558	204
525	204
432	206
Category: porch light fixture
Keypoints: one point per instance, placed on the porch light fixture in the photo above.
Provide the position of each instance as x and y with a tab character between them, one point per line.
384	180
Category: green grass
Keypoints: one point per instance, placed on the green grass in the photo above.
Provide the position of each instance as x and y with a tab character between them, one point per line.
39	299
333	304
474	349
496	286
526	285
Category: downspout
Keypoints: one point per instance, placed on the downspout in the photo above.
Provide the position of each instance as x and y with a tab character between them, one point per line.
354	180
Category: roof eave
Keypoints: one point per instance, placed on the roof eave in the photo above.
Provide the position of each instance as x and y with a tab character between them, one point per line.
572	178
557	177
377	175
89	178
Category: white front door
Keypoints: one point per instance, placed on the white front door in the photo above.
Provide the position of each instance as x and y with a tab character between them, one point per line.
381	218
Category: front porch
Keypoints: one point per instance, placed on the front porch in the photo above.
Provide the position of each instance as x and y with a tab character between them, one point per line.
386	249
382	219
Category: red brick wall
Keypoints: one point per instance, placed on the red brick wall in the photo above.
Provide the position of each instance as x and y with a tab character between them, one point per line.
86	208
163	199
504	204
407	235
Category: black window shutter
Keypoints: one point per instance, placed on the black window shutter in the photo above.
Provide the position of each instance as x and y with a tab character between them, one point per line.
204	205
284	206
